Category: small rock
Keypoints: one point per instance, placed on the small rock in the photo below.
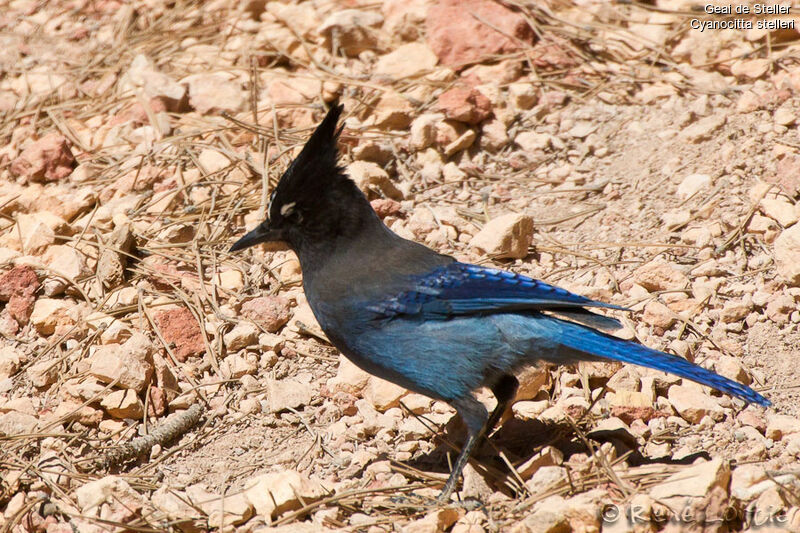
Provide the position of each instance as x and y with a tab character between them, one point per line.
731	368
736	310
107	493
19	281
38	230
349	378
406	61
383	394
658	276
467	31
391	112
658	315
423	130
10	361
531	141
546	477
15	423
692	184
180	328
780	426
523	95
230	280
241	336
494	135
532	379
779	308
780	210
130	365
276	493
351	30
237	365
270	312
43	374
222	511
703	128
548	456
67	262
386	207
287	393
787	176
784	116
695	481
215	92
461	143
505	236
373	181
693	404
465	105
48	159
49	313
436	521
142	74
123	404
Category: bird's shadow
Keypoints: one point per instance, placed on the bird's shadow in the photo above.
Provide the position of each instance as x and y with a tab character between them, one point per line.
520	440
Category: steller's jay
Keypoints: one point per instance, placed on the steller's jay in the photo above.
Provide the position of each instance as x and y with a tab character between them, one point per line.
423	320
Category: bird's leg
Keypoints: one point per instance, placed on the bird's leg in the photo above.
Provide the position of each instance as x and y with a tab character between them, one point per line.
504	390
478	423
472	438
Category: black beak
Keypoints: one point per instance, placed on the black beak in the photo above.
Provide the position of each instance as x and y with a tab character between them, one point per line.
261	233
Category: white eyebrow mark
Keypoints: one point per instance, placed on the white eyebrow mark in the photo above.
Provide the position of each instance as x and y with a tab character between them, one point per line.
288	208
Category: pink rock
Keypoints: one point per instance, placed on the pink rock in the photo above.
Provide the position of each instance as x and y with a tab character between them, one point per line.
385	207
465	105
158	402
48	159
271	312
180	327
20	307
787	176
19	281
457	37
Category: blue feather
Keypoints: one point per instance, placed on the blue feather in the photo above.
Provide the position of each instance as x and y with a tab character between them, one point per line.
462	289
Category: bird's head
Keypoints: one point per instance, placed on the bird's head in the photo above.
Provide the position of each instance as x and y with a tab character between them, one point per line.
314	200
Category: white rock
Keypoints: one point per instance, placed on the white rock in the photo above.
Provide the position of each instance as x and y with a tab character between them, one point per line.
351	30
43	373
505	236
287	393
531	141
406	61
243	335
692	184
370	178
129	364
349	378
276	493
787	255
123	404
693	404
779	209
49	313
523	95
780	426
694	481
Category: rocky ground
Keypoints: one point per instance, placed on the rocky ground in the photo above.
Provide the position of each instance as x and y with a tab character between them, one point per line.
149	380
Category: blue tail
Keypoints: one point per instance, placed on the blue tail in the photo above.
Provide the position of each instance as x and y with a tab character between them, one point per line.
599	344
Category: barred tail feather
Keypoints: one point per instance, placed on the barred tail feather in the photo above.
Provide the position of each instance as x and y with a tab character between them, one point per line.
599	344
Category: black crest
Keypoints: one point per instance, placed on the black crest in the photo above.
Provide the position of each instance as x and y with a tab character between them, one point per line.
315	166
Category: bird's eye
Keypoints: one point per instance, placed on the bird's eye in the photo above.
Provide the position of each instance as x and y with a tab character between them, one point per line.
290	212
288	209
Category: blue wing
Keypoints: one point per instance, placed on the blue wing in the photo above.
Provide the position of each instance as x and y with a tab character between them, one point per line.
464	289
